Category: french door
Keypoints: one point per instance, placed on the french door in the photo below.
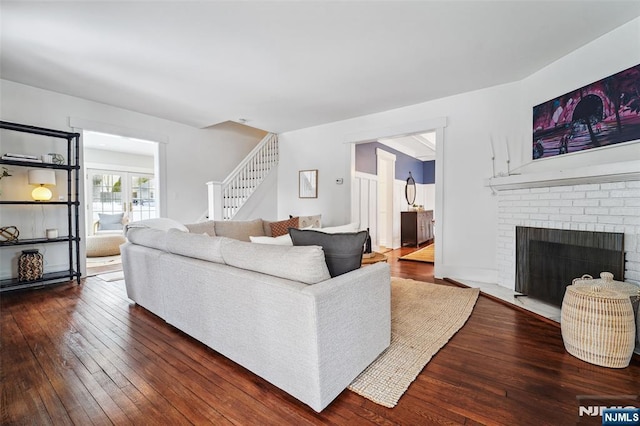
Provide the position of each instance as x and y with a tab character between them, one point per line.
114	192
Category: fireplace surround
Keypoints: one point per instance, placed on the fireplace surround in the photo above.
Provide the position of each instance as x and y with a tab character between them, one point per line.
603	198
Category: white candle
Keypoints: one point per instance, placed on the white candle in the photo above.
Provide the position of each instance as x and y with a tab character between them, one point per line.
52	233
507	145
493	153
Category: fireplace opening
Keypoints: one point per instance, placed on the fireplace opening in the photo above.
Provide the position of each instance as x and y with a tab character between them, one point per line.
547	260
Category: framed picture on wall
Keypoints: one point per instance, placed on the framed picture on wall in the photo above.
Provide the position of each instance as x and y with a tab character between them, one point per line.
308	184
602	113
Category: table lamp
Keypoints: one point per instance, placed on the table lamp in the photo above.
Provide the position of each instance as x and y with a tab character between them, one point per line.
42	178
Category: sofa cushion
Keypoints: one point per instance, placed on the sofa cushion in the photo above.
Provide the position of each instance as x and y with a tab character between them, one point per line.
239	229
342	251
110	222
282	227
160	223
148	237
206	227
198	246
303	264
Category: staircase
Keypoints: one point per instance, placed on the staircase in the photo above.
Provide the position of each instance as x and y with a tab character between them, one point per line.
228	196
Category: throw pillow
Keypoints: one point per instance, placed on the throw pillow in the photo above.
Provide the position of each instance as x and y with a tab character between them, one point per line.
342	251
110	222
310	221
282	227
349	227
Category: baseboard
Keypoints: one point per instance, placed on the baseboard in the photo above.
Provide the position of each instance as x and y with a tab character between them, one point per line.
465	273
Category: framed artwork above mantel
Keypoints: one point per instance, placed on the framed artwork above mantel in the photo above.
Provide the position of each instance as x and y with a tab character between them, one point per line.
603	113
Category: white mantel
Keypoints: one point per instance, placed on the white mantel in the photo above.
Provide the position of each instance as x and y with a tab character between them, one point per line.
611	172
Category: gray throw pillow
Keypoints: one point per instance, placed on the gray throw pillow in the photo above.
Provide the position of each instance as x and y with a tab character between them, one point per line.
110	221
342	252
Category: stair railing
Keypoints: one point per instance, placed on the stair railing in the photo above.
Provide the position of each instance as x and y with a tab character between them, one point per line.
228	196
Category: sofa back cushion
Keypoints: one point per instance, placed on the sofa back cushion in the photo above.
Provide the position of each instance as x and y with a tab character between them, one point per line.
160	223
206	227
148	237
303	264
239	229
198	246
342	251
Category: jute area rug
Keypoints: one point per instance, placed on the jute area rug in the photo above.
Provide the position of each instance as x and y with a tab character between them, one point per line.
426	254
424	317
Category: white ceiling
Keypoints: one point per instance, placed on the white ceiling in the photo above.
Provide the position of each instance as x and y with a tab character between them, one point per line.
107	142
421	146
292	64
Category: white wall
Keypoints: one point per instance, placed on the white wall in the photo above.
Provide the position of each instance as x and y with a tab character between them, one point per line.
191	156
611	53
501	114
469	209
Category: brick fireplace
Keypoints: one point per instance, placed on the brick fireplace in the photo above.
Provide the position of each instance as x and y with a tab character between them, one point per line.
599	207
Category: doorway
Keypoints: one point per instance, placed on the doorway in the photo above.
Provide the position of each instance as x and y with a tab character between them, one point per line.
364	202
110	192
120	187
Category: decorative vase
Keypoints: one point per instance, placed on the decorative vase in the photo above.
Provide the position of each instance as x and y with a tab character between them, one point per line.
30	265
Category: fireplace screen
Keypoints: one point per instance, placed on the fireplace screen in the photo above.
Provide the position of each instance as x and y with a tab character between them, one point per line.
547	260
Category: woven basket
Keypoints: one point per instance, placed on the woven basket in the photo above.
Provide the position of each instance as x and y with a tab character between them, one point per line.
598	325
606	280
30	265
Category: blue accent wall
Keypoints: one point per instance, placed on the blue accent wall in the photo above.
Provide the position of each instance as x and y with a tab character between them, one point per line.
429	171
366	162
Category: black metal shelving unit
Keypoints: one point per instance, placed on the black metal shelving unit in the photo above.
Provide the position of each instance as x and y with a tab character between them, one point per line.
72	168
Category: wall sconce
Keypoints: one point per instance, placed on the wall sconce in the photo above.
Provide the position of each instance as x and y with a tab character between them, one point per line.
42	178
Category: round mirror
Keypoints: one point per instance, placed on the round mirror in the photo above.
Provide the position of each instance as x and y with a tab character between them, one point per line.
410	190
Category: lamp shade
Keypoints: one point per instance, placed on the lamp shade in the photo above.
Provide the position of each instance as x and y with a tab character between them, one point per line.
42	177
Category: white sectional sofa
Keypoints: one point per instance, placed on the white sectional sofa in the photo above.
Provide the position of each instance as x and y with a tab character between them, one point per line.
272	309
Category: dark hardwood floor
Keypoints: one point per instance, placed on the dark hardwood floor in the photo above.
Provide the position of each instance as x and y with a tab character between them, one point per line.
87	355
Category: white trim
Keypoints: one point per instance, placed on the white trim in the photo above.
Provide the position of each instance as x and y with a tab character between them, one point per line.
438	210
388	188
363	175
397	130
160	157
117	168
611	172
385	155
462	274
114	129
